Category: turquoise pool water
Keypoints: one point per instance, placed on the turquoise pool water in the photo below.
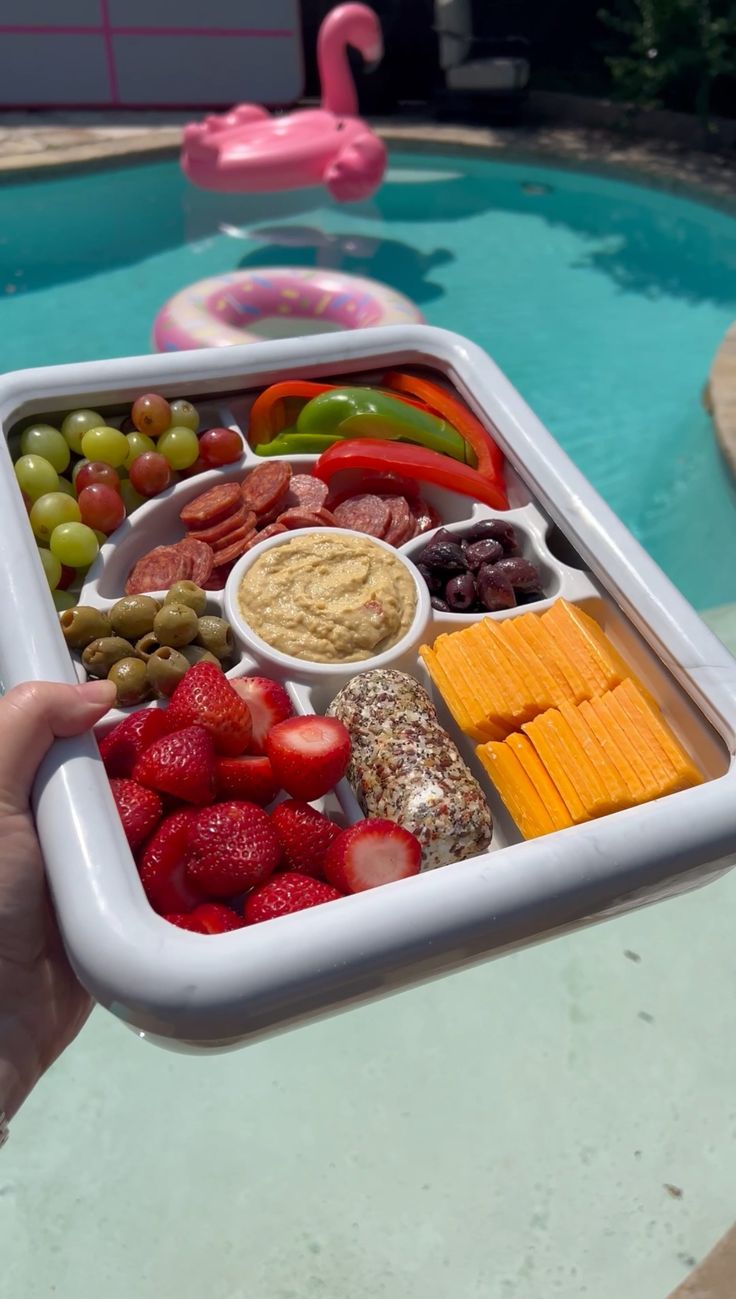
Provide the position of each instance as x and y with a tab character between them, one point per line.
602	301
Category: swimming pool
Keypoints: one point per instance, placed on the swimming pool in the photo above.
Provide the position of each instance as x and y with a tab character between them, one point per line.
603	301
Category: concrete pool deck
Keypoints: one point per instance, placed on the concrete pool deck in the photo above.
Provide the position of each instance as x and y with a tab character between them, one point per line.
560	1122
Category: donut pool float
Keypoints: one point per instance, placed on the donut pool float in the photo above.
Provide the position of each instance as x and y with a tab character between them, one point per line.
222	310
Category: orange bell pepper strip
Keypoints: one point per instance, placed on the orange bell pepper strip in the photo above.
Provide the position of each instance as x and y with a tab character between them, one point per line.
414	462
268	413
438	399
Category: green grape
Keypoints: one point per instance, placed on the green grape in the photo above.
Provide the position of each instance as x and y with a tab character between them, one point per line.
180	446
51	510
76	424
64	485
102	537
51	567
36	476
74	544
106	444
46	441
138	443
64	600
77	467
131	498
183	415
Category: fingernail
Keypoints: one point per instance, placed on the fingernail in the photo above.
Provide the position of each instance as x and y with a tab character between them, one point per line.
99	692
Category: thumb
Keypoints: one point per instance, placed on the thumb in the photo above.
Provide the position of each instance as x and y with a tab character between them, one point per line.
32	716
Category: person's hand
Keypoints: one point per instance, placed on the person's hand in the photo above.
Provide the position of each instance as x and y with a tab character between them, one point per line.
42	1006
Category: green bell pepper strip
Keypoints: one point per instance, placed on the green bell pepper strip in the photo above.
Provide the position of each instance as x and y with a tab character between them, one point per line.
290	443
414	462
364	412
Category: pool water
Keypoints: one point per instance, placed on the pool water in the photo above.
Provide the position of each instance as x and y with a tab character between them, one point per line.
602	301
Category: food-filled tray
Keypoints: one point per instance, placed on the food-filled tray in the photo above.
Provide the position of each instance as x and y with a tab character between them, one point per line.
581	574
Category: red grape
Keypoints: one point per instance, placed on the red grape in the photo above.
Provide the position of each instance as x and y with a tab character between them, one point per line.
220	446
199	467
151	415
97	472
67	577
150	473
101	507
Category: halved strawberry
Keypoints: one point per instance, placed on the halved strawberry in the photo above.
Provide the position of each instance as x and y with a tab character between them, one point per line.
373	852
305	835
162	866
268	703
233	847
284	894
308	754
140	809
123	746
182	764
250	778
204	697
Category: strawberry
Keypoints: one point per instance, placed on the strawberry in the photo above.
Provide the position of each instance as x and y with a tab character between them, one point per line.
372	852
123	746
182	764
249	778
140	809
204	697
232	847
284	894
162	867
268	703
308	754
304	834
209	918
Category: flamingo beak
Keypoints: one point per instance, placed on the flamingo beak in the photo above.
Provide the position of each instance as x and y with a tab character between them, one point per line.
373	55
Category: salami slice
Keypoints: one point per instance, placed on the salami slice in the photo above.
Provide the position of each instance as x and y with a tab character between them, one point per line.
426	517
305	493
217	579
366	513
327	517
212	506
296	518
158	570
272	530
401	525
265	485
237	519
201	557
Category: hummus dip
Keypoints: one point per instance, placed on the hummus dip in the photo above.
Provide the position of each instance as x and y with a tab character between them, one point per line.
328	599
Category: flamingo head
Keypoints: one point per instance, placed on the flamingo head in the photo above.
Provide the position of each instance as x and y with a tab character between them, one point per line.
357	170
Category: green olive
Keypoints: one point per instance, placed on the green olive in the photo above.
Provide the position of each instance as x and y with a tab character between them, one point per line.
131	681
165	669
195	654
216	635
187	593
147	645
82	625
175	625
133	616
101	654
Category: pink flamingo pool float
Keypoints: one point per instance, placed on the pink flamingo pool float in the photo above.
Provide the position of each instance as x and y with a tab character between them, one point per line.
249	151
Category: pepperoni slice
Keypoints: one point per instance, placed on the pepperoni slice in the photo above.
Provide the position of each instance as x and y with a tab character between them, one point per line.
426	517
354	482
326	516
158	570
237	519
201	556
366	513
265	485
292	519
305	493
238	534
212	506
272	530
401	524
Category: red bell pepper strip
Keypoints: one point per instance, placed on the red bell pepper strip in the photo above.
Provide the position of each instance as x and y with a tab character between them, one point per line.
437	398
413	461
268	415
